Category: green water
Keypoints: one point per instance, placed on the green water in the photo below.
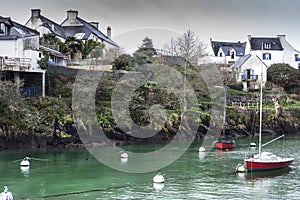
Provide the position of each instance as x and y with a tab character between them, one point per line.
75	174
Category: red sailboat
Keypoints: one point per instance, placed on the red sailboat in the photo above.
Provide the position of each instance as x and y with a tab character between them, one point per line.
266	161
224	144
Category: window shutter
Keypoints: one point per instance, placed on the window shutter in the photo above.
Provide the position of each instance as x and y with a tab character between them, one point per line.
264	56
269	56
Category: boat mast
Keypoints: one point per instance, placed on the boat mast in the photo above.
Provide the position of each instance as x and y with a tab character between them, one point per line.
225	103
260	105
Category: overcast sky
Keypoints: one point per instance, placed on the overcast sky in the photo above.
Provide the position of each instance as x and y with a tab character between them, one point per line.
132	20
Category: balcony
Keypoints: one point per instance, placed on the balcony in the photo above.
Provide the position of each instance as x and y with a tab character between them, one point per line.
249	77
15	64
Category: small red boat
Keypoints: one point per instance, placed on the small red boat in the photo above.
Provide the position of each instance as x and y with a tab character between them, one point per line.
225	144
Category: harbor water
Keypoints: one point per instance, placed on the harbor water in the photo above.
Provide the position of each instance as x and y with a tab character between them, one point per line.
74	173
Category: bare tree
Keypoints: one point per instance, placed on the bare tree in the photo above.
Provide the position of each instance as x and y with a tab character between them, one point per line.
188	45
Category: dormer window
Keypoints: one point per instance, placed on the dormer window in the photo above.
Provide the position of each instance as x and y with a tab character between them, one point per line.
267	45
2	29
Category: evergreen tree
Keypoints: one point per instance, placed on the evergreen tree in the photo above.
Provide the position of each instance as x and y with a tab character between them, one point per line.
145	53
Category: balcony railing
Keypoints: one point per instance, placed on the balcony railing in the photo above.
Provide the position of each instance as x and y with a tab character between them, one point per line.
15	64
249	77
31	91
84	62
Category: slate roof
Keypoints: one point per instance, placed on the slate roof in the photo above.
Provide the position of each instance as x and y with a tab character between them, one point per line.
57	29
177	60
27	31
239	47
52	51
87	29
256	43
16	30
242	60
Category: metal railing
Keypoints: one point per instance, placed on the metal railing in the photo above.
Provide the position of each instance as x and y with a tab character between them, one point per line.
245	104
31	91
249	77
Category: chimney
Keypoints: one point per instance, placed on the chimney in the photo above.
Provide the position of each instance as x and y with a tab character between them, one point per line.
35	13
95	24
281	36
108	32
72	14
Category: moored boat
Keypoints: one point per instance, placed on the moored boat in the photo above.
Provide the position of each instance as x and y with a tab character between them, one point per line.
225	144
267	161
263	161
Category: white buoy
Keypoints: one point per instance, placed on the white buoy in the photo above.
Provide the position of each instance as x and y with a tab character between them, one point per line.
25	162
124	155
240	168
252	146
202	149
158	178
6	195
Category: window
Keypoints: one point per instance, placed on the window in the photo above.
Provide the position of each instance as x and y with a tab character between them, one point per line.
267	45
232	55
2	28
299	66
221	54
297	57
79	35
266	56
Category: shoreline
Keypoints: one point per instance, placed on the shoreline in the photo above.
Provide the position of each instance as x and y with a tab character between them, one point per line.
35	142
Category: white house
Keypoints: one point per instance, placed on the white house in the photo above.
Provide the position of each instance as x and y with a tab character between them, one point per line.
250	70
224	52
44	25
76	27
19	50
274	50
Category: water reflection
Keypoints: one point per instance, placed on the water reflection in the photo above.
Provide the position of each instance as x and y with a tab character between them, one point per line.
158	186
202	155
25	170
253	176
124	160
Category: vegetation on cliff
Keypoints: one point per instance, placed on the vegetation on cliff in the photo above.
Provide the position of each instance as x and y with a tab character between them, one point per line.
53	116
